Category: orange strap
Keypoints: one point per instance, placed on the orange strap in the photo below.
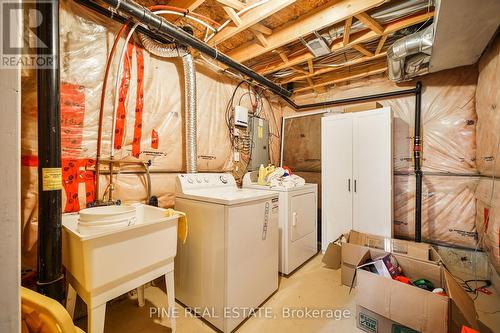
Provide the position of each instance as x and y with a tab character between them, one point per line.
139	104
121	112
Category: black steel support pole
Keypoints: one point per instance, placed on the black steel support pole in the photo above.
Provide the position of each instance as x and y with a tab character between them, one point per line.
417	155
50	280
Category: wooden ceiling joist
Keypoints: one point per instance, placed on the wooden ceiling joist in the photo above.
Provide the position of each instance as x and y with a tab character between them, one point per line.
370	23
299	70
360	48
260	37
355	38
187	4
235	4
262	29
356	74
310	66
323	71
347	30
381	43
283	57
248	20
332	12
233	16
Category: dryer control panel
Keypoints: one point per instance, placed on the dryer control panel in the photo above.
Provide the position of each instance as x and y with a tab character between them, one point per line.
195	181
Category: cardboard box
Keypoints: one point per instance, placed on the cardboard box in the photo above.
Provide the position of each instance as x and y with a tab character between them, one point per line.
397	246
333	257
385	265
372	322
410	306
362	107
354	252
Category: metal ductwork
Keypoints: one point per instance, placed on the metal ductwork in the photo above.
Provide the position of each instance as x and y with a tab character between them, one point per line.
163	31
409	56
173	51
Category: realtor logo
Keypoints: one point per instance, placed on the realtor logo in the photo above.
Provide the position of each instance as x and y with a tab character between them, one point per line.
21	43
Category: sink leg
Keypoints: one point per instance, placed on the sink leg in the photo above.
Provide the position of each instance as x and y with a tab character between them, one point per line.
140	296
169	279
96	319
71	300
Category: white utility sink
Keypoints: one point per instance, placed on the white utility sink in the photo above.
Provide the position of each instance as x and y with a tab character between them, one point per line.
105	263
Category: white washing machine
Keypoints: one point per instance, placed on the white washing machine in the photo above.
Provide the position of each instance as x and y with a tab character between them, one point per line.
229	263
297	222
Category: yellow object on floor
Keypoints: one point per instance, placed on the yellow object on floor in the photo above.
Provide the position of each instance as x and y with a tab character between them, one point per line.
182	227
42	314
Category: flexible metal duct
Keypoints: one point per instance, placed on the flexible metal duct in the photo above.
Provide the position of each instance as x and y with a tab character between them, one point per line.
190	102
418	44
172	51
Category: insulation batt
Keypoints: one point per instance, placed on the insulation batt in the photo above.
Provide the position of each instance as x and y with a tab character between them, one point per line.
488	218
86	40
449	146
448	118
488	151
448	207
488	111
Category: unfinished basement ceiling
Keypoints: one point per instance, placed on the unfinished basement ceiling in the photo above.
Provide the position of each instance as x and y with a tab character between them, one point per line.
271	36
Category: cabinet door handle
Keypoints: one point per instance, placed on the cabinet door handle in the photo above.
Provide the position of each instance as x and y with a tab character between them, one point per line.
355	182
349	184
294	220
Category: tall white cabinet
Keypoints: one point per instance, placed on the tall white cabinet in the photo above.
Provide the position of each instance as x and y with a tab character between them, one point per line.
356	173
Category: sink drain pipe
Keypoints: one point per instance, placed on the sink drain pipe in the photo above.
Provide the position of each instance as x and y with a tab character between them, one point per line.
49	251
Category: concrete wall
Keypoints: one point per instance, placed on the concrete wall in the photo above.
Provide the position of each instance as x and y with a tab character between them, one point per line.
10	210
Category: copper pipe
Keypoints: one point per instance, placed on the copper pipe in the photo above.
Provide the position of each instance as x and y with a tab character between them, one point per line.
101	108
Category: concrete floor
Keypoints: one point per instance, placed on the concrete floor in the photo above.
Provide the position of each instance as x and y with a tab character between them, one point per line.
312	286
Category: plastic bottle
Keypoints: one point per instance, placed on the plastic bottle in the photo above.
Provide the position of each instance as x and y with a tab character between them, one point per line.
262	175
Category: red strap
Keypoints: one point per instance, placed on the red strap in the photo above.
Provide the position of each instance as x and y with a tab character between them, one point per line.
29	161
139	104
72	176
89	179
486	218
154	139
122	99
70	184
72	117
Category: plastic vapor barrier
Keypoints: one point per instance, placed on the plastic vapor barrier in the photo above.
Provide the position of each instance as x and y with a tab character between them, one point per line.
149	126
449	132
448	118
488	218
488	152
448	208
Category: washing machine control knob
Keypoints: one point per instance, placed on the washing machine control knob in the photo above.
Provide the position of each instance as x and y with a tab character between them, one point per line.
198	180
205	179
190	180
223	179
